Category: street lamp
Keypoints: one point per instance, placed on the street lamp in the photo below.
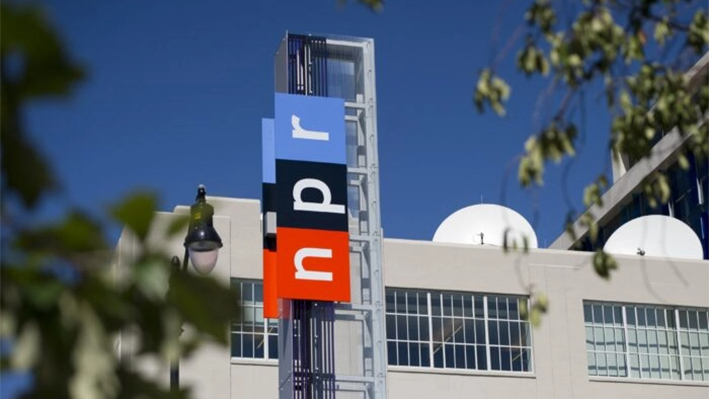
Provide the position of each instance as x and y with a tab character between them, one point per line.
202	244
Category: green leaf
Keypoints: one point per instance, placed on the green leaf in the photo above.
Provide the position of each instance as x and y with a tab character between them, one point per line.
25	351
136	212
603	263
204	303
178	225
48	69
77	234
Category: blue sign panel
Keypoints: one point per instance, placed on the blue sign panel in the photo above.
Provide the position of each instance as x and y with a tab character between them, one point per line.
268	158
310	128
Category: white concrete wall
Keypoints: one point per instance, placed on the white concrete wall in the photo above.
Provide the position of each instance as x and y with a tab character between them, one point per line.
559	352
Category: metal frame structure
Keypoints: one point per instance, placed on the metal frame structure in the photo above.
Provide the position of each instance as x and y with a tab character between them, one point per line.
299	71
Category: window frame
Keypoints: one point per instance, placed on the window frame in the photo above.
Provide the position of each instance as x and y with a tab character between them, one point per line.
437	316
268	329
672	344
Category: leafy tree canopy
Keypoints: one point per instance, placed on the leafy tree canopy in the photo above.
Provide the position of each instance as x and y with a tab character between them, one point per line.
62	307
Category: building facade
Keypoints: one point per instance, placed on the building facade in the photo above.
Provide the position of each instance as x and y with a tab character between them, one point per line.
454	327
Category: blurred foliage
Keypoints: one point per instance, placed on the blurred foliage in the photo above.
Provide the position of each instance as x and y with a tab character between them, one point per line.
634	53
63	305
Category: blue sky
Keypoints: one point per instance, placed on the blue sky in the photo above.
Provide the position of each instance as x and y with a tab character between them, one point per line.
176	91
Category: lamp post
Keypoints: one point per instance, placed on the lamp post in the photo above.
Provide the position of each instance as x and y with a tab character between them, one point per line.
202	244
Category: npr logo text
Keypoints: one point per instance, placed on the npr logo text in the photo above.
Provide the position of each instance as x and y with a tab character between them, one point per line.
311	186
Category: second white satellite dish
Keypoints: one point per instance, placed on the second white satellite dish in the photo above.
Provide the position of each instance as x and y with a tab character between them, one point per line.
485	224
655	235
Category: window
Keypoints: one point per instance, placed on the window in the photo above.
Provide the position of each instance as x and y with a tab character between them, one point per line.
253	337
457	331
639	341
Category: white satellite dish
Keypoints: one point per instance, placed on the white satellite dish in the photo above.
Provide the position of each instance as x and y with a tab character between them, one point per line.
655	235
486	224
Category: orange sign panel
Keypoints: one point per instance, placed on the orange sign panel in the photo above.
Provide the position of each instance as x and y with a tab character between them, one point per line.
313	264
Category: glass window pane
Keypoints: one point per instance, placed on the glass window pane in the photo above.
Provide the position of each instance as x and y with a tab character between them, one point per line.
693	320
390	302
703	321
469	327
482	357
391	353
413	328
457	305
425	356
504	333
449	356
470	356
587	314
597	314
479	331
630	315
502	308
446	305
513	305
622	367
527	360
436	304
391	326
590	343
423	303
403	353
612	365
400	302
411	303
414	352
438	356
236	345
608	314
273	346
601	364
515	338
258	293
651	320
661	318
247	293
600	340
459	356
505	359
423	328
516	359
493	332
635	366
652	341
247	345
654	367
683	319
458	333
479	307
259	347
401	327
526	332
495	358
641	316
492	307
619	340
618	315
662	342
642	341
467	306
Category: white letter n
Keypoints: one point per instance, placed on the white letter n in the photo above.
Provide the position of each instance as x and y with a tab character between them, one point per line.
302	274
